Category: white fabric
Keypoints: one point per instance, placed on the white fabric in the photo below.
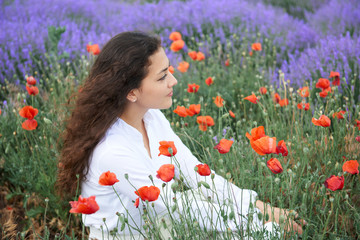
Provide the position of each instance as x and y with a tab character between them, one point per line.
122	151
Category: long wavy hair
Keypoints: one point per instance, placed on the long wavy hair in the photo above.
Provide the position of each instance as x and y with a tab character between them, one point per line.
119	68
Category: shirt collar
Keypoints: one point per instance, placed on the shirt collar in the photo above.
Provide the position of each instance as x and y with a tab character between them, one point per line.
130	130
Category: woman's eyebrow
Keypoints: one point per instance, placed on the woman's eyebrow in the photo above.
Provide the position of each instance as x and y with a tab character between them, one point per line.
165	68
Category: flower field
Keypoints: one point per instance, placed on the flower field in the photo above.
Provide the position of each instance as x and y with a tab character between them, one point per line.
268	97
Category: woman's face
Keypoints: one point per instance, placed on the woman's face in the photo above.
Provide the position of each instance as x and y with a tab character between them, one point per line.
156	88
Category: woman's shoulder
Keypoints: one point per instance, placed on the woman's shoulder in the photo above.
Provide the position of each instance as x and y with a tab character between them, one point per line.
158	115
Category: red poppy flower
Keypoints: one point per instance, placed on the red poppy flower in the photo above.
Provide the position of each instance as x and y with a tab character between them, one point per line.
200	56
192	55
351	166
284	102
264	145
339	115
207	120
219	101
31	80
203	169
251	53
277	98
32	90
263	90
357	124
336	76
193	109
256	46
323	94
94	49
281	148
108	179
193	88
305	106
232	114
357	138
334	183
177	45
256	133
274	165
175	36
137	201
304	92
164	148
183	66
171	69
181	111
323	83
323	121
252	98
227	62
209	81
29	124
148	193
204	122
28	112
166	172
84	205
224	146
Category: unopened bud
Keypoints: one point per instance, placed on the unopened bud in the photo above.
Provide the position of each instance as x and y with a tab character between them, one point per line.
228	176
47	121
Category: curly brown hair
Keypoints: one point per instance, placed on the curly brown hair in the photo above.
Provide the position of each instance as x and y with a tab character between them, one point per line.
119	68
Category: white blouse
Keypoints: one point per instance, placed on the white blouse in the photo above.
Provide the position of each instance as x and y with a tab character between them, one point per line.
122	151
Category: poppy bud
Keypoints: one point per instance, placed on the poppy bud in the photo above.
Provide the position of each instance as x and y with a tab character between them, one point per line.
205	184
228	176
173	208
232	215
47	121
174	185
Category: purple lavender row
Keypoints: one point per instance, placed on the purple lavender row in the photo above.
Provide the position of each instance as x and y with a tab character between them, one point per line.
24	26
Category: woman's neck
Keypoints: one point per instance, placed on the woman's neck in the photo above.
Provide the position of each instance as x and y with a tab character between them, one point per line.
133	116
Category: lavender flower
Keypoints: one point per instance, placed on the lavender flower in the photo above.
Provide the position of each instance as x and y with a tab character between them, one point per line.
24	24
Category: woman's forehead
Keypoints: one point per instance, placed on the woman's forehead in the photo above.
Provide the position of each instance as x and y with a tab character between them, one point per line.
158	61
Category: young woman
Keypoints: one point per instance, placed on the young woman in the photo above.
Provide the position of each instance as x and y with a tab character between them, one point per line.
116	126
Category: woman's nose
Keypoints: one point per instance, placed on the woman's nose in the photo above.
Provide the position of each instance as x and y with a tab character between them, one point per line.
172	80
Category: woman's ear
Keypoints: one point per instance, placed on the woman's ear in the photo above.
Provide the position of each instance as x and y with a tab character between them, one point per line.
132	96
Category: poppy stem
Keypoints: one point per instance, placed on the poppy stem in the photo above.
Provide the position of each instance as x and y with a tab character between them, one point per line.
127	211
327	221
83	228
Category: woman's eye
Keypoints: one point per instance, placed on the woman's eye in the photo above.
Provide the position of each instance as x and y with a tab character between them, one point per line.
163	77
